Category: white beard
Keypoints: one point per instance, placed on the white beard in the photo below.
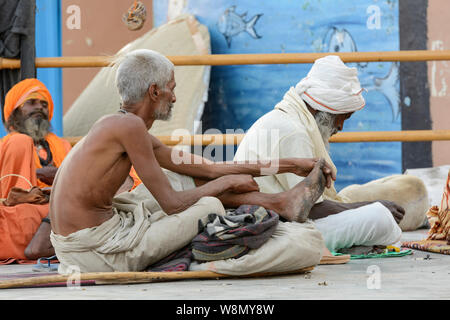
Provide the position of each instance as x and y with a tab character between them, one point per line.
164	116
325	123
37	129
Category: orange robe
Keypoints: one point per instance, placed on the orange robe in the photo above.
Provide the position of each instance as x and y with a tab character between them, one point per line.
18	156
136	180
19	223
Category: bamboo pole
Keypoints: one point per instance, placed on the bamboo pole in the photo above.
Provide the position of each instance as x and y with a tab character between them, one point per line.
391	136
133	277
240	59
341	137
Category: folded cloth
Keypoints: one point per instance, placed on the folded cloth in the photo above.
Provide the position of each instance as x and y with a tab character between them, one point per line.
233	235
35	195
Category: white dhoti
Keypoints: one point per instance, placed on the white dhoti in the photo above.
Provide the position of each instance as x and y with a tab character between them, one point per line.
369	225
138	235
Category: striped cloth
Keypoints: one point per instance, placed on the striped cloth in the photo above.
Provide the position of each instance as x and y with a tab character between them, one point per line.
179	260
232	236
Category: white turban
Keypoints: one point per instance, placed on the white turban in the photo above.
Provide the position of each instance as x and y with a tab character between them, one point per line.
332	87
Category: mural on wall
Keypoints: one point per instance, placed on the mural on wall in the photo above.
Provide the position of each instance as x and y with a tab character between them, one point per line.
239	95
340	40
231	24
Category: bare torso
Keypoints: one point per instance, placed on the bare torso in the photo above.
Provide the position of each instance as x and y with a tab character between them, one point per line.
88	179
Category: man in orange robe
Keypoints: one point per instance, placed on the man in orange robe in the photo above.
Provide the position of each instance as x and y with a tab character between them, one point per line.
29	156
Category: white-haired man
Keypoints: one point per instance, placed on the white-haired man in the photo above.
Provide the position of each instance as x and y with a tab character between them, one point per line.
96	230
300	126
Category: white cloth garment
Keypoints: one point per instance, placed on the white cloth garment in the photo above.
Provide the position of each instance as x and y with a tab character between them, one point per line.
370	225
332	87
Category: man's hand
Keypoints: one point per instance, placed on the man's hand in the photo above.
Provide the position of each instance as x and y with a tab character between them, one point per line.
397	211
304	166
46	174
242	183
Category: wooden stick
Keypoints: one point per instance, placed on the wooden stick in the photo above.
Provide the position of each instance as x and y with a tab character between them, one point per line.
341	137
240	59
134	277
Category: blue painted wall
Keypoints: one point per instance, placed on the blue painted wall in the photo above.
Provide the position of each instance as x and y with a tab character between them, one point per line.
239	95
48	44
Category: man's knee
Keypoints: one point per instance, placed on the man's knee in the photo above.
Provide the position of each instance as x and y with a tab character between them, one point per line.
212	204
199	211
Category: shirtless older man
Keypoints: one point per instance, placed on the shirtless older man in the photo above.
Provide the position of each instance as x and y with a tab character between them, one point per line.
96	231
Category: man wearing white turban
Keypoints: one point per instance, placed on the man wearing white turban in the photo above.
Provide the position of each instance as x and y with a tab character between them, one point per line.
300	126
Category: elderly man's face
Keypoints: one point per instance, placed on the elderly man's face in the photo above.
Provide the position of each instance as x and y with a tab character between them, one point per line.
339	121
330	124
35	108
167	99
31	119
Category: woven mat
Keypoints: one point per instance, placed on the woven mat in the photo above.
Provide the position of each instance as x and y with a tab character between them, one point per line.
435	246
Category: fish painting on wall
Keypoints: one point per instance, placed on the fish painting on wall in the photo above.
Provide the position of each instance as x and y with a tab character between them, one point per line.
340	40
231	24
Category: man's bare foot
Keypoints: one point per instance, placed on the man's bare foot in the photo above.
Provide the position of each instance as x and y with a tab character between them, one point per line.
296	203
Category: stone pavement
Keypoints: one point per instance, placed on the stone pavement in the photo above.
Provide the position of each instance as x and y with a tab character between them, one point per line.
414	276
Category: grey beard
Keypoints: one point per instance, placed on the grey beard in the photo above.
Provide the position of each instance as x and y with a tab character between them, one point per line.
166	115
325	123
36	128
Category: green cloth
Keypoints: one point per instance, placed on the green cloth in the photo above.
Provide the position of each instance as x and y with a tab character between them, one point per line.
376	255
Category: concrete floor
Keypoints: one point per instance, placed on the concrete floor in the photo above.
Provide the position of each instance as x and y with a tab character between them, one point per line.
422	275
